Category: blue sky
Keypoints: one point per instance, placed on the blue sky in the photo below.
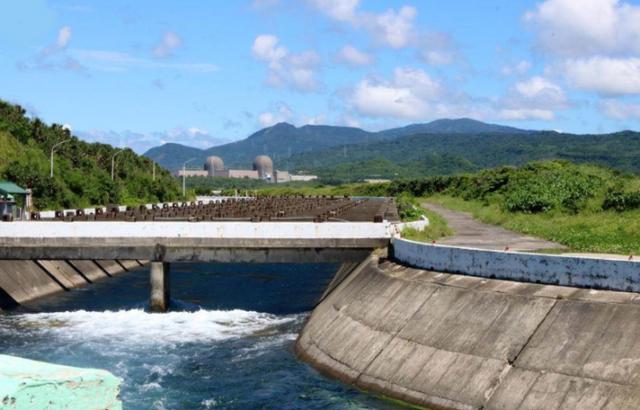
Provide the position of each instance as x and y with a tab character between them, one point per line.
199	72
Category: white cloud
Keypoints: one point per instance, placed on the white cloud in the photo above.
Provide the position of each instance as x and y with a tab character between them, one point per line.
353	57
393	28
519	68
411	94
105	60
297	71
342	10
620	110
535	98
140	142
281	113
604	75
64	35
526	114
587	27
170	42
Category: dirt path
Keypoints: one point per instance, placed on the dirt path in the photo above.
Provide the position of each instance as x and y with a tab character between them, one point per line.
472	233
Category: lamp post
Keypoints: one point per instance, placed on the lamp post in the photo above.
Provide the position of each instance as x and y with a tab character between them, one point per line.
184	177
113	164
52	150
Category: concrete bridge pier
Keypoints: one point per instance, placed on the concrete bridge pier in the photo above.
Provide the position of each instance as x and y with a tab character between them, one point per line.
159	280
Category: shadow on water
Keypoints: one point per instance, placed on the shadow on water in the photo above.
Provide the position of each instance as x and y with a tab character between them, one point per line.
226	344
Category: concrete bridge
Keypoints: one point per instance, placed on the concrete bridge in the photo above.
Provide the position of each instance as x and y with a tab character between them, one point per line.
166	242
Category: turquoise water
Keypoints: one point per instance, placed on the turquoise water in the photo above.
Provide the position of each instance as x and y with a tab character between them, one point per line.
226	344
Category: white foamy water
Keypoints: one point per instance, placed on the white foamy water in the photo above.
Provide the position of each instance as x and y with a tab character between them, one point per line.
139	327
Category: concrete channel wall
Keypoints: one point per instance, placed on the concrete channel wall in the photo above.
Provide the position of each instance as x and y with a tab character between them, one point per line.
447	341
524	267
25	280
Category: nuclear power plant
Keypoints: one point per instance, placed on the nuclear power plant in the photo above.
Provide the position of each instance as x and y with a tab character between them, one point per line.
262	168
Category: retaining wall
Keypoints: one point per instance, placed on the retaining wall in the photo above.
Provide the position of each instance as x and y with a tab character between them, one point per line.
462	342
524	267
25	280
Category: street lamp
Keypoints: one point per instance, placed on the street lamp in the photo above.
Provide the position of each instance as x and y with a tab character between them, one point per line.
184	177
113	163
52	150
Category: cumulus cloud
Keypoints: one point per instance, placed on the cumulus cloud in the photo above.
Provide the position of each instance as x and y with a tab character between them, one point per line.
393	28
170	42
535	98
410	94
620	110
351	56
285	69
605	75
342	10
586	27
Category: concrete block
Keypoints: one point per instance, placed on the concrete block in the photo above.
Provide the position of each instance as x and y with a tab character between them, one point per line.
28	384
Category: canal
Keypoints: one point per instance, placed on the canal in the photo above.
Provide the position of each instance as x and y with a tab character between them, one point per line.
227	343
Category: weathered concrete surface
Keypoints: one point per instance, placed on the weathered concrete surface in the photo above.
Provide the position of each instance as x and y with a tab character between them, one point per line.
160	286
89	269
461	342
64	273
471	233
25	280
111	267
129	264
623	275
28	385
185	241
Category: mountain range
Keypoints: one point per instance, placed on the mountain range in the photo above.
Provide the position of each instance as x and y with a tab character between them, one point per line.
443	146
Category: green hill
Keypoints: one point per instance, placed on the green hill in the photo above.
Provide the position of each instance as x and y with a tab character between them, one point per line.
435	154
82	174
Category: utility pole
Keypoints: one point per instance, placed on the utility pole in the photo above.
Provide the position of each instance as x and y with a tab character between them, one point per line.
113	164
184	177
52	150
154	170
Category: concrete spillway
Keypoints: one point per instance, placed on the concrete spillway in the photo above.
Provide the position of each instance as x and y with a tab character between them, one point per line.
461	342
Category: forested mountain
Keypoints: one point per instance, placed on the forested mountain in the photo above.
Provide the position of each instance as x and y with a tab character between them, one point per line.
437	154
283	140
82	172
435	148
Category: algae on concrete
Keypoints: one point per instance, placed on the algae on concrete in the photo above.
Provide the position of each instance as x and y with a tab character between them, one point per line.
29	384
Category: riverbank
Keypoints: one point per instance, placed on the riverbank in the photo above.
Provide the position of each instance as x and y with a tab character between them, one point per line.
454	341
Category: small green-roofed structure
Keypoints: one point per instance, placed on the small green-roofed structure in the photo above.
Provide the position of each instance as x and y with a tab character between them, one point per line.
12	199
9	188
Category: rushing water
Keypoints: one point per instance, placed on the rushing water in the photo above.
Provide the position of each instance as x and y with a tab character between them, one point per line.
226	344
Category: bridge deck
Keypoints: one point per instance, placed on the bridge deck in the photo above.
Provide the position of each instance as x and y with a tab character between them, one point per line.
185	241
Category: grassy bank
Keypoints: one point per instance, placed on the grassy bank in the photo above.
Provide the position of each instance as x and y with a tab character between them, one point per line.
437	228
585	231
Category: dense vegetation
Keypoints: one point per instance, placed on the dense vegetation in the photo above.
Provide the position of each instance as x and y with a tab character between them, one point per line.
82	171
443	147
586	207
284	141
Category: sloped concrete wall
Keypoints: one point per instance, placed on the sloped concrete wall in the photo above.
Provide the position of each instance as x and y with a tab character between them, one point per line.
525	267
461	342
25	280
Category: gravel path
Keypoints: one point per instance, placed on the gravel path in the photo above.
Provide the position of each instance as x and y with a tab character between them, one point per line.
474	234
